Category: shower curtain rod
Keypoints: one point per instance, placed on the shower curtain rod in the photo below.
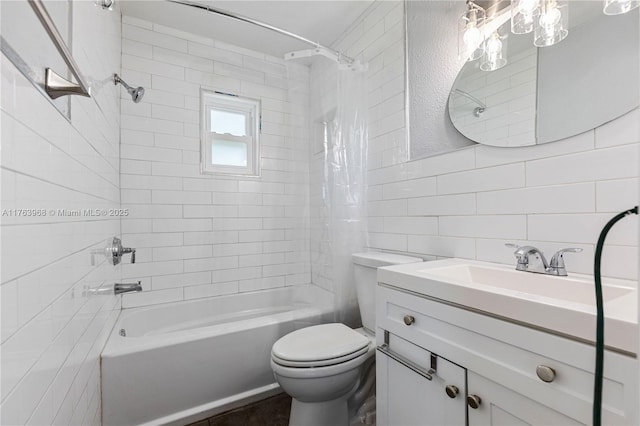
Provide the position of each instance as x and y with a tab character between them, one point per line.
259	24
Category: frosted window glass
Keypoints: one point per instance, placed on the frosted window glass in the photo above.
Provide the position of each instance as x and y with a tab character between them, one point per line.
228	122
229	153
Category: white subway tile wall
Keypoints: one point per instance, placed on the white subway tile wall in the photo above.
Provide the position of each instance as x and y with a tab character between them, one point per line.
204	235
468	203
53	326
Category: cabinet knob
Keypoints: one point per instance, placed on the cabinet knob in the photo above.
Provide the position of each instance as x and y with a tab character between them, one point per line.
473	401
452	391
546	374
408	320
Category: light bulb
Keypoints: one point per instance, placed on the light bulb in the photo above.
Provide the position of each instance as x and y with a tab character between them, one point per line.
494	45
494	55
550	17
523	15
472	36
493	49
526	7
550	26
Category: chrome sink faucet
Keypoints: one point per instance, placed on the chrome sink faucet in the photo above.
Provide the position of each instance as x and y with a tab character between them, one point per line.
530	259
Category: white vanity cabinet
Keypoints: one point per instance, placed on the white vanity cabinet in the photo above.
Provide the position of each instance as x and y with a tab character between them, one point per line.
503	363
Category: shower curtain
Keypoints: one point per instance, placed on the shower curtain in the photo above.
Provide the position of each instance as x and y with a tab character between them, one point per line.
337	218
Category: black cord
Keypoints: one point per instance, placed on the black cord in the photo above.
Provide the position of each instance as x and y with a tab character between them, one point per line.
597	386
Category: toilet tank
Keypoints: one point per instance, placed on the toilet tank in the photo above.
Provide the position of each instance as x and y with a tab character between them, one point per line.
365	267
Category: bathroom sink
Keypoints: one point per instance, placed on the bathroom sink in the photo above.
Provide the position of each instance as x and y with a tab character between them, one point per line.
561	305
565	288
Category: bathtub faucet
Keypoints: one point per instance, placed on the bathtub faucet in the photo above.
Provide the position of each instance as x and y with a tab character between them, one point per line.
119	288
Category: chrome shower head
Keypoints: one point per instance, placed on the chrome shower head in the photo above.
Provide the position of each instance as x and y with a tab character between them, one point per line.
136	92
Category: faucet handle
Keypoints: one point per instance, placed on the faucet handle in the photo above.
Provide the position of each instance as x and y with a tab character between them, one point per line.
523	253
558	261
116	251
556	265
522	256
518	252
132	251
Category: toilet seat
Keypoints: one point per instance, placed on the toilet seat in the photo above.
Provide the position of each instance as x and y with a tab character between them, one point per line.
320	345
319	363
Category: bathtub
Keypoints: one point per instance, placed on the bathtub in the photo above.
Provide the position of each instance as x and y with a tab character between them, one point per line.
177	363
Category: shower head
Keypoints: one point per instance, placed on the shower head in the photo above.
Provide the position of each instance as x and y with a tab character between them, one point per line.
136	92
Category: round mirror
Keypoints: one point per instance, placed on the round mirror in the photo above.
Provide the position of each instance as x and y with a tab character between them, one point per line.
546	94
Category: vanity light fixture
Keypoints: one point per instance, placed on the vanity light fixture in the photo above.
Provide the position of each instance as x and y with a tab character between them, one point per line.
547	19
618	7
470	35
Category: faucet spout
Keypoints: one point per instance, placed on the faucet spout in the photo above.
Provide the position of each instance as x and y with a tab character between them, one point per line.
119	288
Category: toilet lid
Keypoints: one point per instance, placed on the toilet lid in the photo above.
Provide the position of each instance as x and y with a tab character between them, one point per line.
321	363
326	342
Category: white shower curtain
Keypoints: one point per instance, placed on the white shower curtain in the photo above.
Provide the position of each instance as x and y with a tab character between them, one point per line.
346	185
338	154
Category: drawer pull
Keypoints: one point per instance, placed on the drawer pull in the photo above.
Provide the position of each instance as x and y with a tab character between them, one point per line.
474	401
409	364
408	320
546	374
452	391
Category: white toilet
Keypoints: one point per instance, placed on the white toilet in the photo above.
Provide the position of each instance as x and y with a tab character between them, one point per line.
322	367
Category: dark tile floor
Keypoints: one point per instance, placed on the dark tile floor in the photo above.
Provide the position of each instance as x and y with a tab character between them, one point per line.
272	411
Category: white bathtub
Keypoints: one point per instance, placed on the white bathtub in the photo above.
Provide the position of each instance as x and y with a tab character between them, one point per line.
181	362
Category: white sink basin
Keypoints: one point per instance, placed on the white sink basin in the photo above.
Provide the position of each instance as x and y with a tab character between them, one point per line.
562	305
565	288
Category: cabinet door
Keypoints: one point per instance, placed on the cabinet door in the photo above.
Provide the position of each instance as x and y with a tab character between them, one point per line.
406	398
499	406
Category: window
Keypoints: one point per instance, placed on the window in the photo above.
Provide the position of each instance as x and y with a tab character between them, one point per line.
230	129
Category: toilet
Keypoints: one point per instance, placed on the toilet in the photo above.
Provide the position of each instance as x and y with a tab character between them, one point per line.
327	368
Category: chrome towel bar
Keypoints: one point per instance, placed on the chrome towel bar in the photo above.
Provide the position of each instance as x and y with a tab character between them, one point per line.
55	85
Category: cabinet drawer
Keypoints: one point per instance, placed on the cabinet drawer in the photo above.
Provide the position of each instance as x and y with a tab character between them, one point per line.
512	355
425	389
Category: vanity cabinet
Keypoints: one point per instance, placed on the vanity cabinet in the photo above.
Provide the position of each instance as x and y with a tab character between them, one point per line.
514	374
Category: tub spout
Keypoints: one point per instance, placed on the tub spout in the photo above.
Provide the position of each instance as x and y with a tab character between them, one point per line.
119	288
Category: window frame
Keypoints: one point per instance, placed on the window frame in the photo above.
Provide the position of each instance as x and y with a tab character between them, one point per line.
251	108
